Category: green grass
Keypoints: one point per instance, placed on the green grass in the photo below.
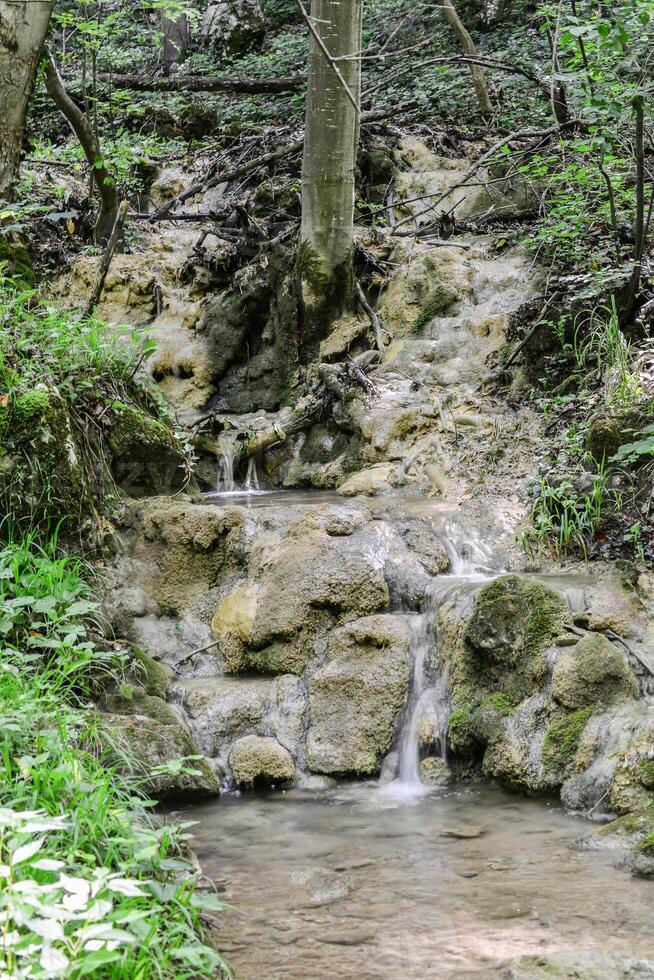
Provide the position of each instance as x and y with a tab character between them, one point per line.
90	883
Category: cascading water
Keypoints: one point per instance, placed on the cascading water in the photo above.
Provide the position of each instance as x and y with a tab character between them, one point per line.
429	686
225	482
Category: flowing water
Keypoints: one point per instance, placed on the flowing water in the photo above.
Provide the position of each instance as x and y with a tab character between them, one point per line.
398	879
351	884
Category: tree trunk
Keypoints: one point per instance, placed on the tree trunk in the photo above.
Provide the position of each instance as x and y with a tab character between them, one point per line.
330	150
83	130
23	26
469	48
175	39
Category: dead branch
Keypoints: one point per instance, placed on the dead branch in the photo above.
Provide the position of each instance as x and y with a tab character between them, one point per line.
84	132
96	293
204	83
225	177
374	319
484	158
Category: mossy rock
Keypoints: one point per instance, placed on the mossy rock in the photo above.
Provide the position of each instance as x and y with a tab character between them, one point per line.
146	456
255	760
562	739
19	266
609	430
514	620
153	677
140	746
594	672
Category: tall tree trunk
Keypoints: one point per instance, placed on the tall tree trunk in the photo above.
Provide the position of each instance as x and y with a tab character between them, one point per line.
468	45
23	26
175	39
330	150
84	132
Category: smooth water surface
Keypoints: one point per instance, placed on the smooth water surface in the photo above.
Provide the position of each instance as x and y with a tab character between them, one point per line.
350	883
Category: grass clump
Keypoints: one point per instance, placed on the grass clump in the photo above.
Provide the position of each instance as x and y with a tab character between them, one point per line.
89	882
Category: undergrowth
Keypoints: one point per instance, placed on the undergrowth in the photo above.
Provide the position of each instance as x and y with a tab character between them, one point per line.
90	882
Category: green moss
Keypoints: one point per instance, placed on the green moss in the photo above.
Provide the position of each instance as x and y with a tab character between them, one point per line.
32	405
150	675
647	844
501	703
135	423
645	772
440	300
459	731
563	737
18	262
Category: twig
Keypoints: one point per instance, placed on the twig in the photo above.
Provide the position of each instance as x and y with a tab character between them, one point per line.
484	158
330	61
194	653
525	340
108	255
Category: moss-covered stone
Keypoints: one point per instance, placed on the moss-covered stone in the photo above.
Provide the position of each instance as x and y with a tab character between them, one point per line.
515	619
152	676
356	698
459	731
644	770
594	672
255	760
145	455
562	738
19	266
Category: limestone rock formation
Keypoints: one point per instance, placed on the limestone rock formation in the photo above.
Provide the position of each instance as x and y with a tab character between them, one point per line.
255	760
355	699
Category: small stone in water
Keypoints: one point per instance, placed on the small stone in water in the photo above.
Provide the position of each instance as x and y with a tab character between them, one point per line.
467	874
463	832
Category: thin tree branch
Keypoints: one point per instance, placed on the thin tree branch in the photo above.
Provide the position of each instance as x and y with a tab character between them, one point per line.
108	255
330	61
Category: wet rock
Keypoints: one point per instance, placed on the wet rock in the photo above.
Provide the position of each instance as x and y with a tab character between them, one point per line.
302	584
322	886
594	672
370	482
427	546
356	697
220	711
255	760
287	711
581	965
435	772
464	833
233	25
140	745
514	619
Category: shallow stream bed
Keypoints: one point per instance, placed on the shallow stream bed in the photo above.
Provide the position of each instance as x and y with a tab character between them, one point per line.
356	883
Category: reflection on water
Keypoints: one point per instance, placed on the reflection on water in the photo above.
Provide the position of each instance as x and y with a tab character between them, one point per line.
352	883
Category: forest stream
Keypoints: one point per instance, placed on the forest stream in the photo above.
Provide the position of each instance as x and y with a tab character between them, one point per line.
326	490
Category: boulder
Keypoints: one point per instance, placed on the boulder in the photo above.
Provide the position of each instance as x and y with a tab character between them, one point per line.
255	760
233	25
220	711
514	619
593	672
301	585
435	772
356	697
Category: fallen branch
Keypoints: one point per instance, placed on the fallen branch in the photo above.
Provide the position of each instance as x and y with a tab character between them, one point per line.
226	177
374	319
107	256
204	83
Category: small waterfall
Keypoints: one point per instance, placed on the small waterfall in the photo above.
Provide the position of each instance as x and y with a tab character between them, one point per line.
225	482
429	689
252	477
